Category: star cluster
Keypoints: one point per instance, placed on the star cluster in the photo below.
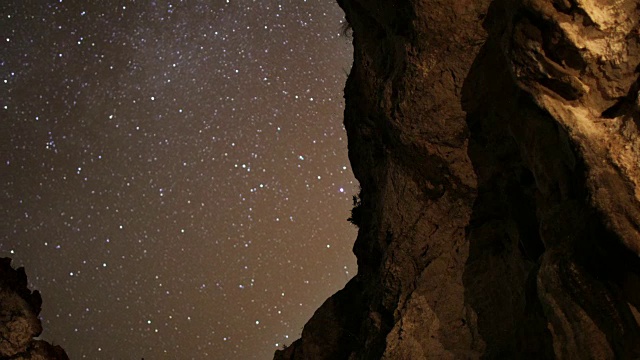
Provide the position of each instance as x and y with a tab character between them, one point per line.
174	173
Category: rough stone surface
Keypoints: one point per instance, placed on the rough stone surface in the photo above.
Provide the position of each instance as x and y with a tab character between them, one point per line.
497	147
19	323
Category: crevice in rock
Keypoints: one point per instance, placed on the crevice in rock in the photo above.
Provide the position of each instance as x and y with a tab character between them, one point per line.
505	245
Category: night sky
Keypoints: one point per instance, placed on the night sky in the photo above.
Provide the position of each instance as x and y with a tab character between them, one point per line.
174	174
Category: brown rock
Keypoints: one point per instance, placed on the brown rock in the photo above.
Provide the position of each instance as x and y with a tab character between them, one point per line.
497	147
19	323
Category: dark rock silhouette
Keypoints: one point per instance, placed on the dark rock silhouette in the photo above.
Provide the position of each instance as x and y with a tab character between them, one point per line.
19	323
497	146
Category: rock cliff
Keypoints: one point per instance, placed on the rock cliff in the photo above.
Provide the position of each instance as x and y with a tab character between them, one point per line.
19	323
497	147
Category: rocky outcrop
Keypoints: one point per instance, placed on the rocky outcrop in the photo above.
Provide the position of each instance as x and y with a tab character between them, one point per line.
19	323
496	144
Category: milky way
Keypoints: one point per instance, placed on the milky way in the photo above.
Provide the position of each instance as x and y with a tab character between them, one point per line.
174	173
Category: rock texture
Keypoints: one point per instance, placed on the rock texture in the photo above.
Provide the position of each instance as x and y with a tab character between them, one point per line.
497	147
19	323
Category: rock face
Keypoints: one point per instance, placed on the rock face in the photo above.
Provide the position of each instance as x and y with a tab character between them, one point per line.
19	323
497	147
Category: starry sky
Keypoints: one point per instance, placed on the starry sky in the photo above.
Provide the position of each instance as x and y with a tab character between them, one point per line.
174	174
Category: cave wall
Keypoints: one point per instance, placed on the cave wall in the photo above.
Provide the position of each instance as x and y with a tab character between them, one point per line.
496	145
